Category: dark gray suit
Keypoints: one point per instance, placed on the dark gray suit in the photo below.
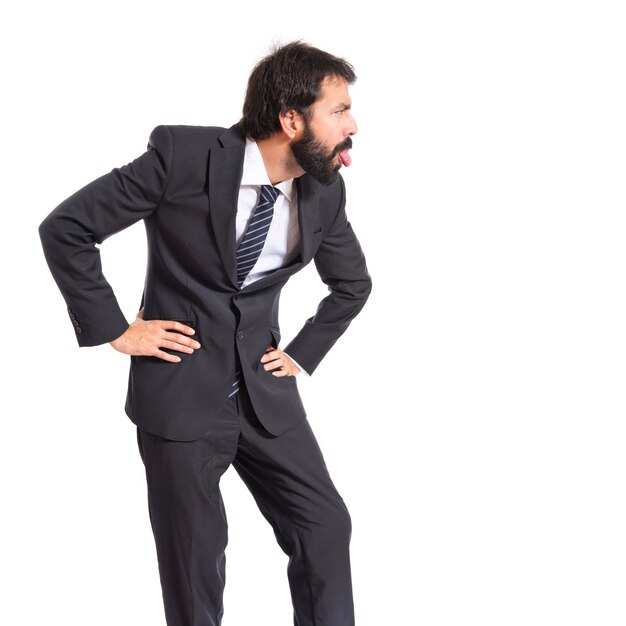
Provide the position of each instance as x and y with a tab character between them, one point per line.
185	188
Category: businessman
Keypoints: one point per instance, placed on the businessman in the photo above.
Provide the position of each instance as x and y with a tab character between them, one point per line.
230	215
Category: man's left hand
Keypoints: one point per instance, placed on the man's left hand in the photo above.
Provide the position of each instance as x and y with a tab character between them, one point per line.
277	362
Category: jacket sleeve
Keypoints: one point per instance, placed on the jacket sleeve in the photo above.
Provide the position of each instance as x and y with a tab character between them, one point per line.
341	265
101	208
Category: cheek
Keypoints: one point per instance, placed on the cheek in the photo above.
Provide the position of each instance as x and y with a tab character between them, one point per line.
329	132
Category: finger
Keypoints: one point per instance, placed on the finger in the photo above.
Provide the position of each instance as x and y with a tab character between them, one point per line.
280	373
172	358
178	326
174	345
181	339
272	365
269	357
270	354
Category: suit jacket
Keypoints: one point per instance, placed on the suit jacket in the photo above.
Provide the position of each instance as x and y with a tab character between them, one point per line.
185	189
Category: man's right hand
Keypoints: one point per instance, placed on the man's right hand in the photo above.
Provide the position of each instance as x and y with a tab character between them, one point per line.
145	338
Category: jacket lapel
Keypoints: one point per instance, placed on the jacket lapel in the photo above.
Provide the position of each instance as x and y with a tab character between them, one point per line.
308	223
224	179
308	215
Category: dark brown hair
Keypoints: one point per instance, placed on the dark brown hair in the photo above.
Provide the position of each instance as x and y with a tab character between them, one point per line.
290	77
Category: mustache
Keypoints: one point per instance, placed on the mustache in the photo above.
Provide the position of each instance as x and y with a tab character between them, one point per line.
346	144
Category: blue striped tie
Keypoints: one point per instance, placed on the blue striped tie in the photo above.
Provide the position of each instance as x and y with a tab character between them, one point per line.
249	249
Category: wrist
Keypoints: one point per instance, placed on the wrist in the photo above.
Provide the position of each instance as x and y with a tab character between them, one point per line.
118	340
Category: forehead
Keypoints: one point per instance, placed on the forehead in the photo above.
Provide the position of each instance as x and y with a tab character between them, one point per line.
333	92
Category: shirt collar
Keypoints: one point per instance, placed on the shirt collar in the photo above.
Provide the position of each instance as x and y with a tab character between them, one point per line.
254	172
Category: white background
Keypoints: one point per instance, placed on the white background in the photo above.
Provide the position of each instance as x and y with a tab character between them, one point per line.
472	416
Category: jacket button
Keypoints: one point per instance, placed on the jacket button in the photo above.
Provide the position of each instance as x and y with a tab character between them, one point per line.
240	335
72	316
79	330
75	322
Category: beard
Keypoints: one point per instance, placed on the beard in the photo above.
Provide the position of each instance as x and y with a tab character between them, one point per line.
315	159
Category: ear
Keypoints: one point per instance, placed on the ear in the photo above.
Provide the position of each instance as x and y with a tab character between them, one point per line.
292	123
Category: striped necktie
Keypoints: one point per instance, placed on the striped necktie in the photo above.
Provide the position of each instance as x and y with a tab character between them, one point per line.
251	245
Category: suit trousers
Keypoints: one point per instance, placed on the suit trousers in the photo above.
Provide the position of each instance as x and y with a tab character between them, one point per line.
291	485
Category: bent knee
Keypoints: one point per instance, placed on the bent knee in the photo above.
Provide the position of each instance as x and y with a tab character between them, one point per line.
336	524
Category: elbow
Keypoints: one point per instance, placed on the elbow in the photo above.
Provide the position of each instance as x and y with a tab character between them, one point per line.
60	233
57	240
360	288
46	232
368	286
365	287
359	292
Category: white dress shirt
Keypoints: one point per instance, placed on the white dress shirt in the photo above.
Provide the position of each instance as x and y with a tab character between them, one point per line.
282	244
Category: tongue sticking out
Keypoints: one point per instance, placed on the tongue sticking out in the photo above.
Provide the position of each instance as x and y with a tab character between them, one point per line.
345	158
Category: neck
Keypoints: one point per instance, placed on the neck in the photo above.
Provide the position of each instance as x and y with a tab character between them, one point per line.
278	158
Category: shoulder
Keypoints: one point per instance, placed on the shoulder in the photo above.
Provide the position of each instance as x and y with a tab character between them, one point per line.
185	148
185	134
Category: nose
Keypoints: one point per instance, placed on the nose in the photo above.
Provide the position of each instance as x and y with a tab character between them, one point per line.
351	127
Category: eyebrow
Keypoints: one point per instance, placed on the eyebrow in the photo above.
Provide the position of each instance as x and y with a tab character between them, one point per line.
343	105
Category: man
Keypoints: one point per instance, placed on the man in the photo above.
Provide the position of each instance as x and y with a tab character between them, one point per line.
230	215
